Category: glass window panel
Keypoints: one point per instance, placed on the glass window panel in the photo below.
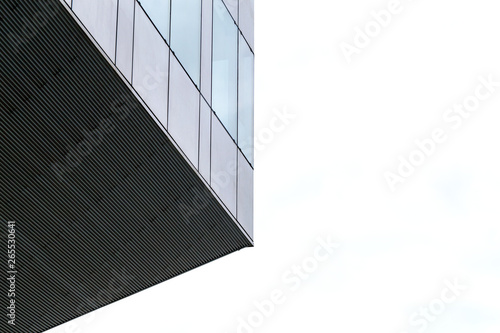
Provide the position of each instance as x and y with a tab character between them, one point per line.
183	111
99	17
223	166
246	22
159	12
186	30
205	119
245	99
206	50
224	69
232	5
125	35
245	195
150	67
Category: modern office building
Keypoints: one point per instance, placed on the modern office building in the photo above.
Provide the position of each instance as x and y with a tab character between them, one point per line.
126	147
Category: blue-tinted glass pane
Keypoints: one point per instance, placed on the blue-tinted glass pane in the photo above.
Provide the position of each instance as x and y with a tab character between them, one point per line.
225	66
245	99
159	12
206	50
186	30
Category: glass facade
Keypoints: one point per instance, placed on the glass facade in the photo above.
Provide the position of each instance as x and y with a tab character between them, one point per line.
223	170
150	66
245	99
232	6
186	34
246	17
183	111
124	37
159	12
192	63
99	16
206	50
225	68
245	194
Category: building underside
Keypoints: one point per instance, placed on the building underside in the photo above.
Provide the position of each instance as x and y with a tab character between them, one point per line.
105	204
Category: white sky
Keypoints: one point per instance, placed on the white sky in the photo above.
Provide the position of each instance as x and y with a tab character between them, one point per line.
323	175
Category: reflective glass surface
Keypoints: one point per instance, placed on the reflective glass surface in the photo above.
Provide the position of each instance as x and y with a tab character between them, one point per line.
99	17
232	6
245	99
183	111
206	50
159	12
245	195
223	165
185	35
205	129
150	67
246	19
224	70
124	37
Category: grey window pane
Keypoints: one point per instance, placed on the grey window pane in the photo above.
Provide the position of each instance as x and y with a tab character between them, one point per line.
223	165
225	65
246	22
183	111
186	30
205	129
245	195
245	99
99	17
150	67
206	50
232	5
159	12
124	37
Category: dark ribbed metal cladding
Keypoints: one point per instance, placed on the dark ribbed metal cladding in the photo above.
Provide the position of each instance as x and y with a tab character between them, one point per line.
104	204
